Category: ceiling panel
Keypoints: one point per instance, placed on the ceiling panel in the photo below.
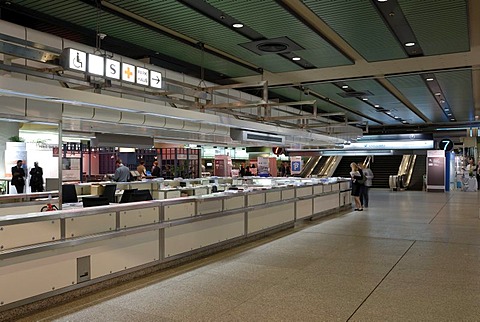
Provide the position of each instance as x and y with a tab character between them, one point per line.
441	26
85	15
176	16
271	20
414	88
457	87
361	26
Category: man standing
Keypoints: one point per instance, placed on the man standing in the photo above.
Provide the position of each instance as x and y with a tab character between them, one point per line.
368	183
18	177
122	174
36	178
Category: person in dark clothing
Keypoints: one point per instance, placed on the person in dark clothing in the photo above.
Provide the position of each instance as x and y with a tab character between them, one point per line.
241	173
248	173
18	177
155	170
36	178
357	186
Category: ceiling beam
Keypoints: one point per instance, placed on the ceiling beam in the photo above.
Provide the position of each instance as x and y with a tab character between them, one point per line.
474	31
414	65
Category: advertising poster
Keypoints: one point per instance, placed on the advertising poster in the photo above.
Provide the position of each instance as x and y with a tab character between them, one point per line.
296	165
435	170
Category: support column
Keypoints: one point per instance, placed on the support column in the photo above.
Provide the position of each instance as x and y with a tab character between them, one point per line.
7	130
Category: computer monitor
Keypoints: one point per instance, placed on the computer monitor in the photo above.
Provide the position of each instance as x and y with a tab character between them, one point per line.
94	201
69	194
127	195
141	195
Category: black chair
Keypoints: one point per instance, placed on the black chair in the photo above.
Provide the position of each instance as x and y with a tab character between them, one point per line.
141	195
95	201
127	195
109	192
69	194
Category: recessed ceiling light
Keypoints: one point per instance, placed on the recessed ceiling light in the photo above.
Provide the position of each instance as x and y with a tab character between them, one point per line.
382	0
389	113
376	105
364	99
237	25
396	117
429	79
344	86
449	114
452	119
438	94
296	58
409	44
404	122
442	101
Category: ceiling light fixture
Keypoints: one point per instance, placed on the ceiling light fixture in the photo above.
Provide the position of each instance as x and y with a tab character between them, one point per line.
382	0
376	105
409	44
364	99
344	86
438	94
296	58
237	25
429	79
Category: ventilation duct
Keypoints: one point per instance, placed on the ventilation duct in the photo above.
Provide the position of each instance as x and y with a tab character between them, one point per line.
249	136
124	141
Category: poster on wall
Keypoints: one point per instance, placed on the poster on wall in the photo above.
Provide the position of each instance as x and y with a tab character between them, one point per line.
262	166
296	165
435	170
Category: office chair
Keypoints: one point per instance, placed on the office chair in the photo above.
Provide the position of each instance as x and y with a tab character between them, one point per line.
69	194
109	192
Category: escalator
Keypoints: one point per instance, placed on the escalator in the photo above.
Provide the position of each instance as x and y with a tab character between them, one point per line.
343	169
317	171
419	169
309	166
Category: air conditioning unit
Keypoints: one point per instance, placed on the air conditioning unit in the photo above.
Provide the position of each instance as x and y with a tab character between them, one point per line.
250	136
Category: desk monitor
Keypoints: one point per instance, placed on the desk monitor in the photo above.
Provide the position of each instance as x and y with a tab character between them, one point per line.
94	201
127	195
69	194
141	195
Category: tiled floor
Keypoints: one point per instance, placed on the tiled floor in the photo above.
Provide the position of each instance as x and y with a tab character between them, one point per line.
412	256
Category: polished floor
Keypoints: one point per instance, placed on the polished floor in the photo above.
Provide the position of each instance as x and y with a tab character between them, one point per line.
411	256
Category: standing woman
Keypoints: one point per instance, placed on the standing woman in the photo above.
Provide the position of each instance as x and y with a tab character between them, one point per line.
356	175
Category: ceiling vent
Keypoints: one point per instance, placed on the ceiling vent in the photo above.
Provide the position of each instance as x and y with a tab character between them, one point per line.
249	136
355	94
279	45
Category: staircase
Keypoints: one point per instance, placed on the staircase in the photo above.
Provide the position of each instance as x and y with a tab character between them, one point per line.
383	166
343	168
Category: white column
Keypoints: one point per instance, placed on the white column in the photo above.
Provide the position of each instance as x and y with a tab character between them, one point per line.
7	130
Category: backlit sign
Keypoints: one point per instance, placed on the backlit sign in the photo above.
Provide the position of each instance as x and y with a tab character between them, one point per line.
78	60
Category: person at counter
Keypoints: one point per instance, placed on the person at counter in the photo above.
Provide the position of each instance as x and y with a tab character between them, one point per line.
18	177
141	169
122	174
36	178
155	169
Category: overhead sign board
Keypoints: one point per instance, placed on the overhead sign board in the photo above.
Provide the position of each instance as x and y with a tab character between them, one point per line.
96	65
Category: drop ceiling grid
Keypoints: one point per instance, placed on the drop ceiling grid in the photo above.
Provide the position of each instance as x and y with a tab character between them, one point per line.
189	22
457	87
441	26
358	23
272	21
414	88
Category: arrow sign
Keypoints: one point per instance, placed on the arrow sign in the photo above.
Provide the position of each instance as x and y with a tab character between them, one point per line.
155	79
